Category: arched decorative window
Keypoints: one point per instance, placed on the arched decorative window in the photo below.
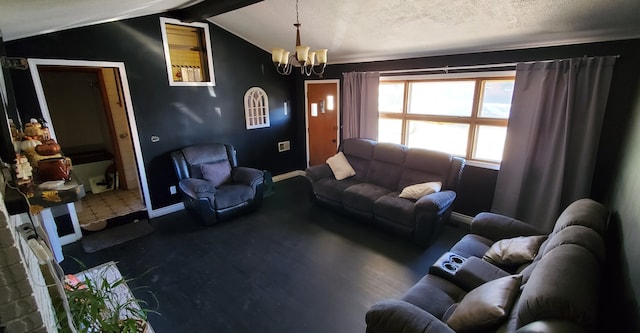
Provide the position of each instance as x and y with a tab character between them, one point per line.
256	108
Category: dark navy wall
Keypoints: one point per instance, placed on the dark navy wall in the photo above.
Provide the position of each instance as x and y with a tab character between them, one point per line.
172	112
179	116
477	186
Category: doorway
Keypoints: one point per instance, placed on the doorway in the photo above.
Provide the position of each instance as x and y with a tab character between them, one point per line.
87	106
322	116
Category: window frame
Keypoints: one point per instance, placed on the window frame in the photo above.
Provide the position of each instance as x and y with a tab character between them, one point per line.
474	120
207	53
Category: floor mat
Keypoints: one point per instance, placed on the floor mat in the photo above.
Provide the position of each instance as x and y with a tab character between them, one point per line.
117	235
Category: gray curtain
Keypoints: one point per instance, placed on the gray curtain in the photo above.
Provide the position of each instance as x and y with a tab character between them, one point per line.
552	137
360	112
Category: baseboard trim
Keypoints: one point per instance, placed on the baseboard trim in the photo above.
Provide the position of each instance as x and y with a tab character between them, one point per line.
166	210
288	175
457	217
180	206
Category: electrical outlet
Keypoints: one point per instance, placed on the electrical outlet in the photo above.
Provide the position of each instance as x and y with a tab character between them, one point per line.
172	189
284	146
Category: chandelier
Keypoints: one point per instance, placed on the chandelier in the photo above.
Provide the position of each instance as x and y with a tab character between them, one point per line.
309	61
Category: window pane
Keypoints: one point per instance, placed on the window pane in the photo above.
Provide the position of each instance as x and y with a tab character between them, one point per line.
390	130
445	98
496	99
390	97
446	137
490	143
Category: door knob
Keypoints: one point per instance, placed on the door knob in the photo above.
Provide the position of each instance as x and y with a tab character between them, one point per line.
334	140
123	135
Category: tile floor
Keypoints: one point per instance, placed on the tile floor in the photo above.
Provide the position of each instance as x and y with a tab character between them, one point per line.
102	206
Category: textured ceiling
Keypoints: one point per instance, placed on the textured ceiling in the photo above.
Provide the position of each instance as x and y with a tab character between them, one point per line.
25	18
364	30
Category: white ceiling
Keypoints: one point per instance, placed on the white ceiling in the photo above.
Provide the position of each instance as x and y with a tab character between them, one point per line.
364	30
25	18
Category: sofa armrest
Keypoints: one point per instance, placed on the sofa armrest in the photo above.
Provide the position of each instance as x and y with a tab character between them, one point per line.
436	202
497	227
317	172
247	176
392	316
197	188
551	326
474	272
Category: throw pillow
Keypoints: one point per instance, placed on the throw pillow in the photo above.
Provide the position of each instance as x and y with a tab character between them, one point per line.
514	251
485	306
216	173
418	191
340	166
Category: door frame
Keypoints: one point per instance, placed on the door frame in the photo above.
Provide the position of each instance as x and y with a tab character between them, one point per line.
133	127
306	111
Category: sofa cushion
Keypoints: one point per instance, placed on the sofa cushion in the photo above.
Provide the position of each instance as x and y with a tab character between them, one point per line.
361	197
423	165
217	173
384	174
390	153
232	195
434	295
578	235
356	147
393	208
585	212
340	166
386	165
360	165
514	251
472	246
205	153
198	189
359	153
526	272
399	316
485	306
332	189
201	154
563	285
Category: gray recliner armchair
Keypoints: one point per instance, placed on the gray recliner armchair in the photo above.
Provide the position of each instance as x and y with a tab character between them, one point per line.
212	185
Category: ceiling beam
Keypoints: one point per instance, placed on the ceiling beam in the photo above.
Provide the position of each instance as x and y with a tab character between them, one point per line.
208	8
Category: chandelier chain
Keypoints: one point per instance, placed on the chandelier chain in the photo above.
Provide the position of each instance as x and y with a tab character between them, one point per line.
297	18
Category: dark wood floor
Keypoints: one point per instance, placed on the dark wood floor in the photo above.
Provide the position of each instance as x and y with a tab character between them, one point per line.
291	267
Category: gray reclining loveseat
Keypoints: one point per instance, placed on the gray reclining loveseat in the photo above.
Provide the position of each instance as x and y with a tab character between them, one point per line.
382	171
555	292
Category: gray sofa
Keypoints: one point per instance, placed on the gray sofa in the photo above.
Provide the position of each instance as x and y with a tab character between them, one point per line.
382	171
558	291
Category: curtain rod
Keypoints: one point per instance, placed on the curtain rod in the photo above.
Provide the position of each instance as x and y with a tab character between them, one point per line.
450	68
509	65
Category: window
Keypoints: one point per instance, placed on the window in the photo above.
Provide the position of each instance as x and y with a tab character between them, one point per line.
462	116
256	108
187	49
